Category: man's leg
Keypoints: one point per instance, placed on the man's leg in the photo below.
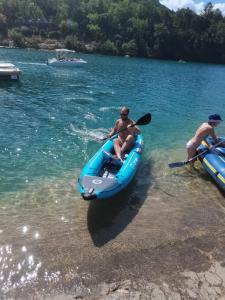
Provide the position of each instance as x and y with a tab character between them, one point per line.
191	153
128	144
117	148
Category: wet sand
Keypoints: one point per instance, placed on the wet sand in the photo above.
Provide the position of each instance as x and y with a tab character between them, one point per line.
162	238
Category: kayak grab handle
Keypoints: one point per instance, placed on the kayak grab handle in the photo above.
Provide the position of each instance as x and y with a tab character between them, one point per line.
87	196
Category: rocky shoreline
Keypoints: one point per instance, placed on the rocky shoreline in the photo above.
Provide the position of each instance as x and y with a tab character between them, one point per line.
187	270
190	285
184	270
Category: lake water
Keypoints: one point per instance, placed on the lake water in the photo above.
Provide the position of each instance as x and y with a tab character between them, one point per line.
49	124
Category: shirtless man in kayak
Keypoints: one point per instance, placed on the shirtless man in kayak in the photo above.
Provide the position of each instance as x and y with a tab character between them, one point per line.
206	129
126	138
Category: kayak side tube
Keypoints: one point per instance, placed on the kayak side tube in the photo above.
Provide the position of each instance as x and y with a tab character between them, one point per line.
214	162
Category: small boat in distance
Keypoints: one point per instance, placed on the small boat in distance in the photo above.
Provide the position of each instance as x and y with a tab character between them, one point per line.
9	71
65	58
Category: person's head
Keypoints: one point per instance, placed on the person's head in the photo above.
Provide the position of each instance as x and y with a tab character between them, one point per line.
214	120
124	112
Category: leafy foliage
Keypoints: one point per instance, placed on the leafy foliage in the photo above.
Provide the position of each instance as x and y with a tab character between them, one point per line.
118	27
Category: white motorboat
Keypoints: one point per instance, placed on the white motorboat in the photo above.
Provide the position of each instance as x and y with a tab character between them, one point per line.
65	58
9	71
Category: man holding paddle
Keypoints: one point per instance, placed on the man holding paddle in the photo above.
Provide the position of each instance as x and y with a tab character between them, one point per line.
126	130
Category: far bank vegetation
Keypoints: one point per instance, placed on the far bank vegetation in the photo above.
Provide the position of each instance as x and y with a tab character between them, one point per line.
143	28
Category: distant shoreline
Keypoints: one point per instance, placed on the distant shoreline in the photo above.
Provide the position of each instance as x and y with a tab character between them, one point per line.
38	43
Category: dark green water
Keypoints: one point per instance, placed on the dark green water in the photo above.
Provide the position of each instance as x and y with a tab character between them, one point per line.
49	122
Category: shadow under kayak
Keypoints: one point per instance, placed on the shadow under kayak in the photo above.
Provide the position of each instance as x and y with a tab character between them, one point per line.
214	161
103	176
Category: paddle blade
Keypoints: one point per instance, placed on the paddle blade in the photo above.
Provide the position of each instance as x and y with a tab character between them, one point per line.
146	119
178	164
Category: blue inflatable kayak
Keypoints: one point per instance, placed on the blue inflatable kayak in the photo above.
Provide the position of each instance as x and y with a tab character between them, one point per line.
214	161
104	176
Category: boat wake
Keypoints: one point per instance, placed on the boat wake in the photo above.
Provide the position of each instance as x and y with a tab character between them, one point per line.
85	100
90	116
109	108
30	63
91	135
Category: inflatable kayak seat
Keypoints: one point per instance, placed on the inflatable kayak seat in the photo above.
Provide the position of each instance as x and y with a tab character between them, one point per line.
109	170
112	158
108	174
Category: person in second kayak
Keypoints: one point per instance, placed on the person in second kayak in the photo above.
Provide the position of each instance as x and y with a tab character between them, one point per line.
206	129
126	138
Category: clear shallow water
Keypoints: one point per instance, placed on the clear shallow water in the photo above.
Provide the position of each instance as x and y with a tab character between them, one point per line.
49	121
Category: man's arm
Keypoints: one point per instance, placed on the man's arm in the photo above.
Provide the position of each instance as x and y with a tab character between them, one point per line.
137	130
113	131
217	140
213	135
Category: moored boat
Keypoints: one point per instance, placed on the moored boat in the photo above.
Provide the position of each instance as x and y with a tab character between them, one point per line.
9	71
103	176
214	161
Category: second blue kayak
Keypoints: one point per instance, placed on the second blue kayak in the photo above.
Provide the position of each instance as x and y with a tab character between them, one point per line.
214	161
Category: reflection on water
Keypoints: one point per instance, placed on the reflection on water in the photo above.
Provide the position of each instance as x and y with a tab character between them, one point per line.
48	232
17	270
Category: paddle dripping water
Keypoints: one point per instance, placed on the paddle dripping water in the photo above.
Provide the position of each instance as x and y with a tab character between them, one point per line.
49	124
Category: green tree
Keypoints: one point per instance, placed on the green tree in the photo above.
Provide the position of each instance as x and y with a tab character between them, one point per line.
130	48
17	38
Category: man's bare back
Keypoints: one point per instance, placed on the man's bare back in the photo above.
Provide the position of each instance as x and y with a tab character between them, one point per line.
206	129
202	132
